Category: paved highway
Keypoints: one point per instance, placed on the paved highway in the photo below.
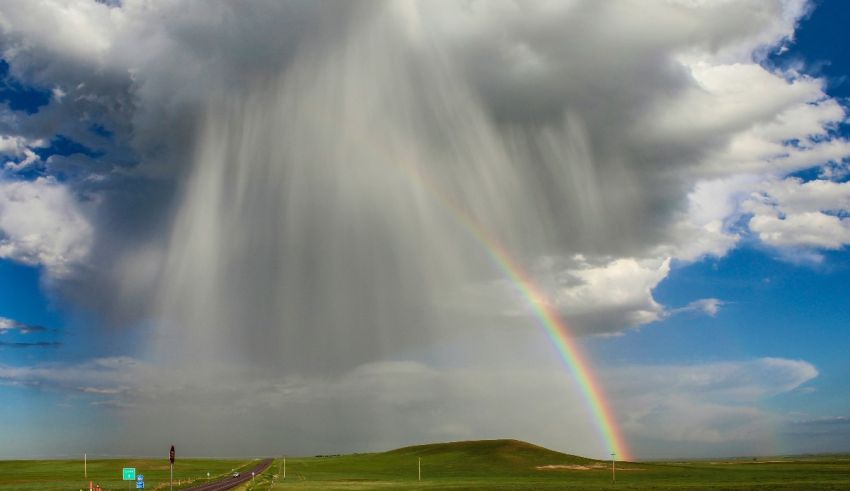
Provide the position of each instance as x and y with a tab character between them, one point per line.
232	482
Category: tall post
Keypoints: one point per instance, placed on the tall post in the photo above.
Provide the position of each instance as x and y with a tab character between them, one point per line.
284	467
86	466
420	468
171	461
613	468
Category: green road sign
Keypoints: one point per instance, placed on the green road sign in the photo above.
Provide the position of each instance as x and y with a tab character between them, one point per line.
129	473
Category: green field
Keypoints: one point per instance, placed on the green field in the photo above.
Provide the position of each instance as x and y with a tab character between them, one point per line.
509	464
68	474
489	464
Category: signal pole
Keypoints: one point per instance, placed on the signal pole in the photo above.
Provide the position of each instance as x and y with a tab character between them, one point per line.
613	467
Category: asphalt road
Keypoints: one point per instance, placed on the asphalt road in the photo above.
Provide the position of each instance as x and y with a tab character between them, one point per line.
232	482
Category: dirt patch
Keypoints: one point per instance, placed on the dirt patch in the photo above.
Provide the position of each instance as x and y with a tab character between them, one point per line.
575	467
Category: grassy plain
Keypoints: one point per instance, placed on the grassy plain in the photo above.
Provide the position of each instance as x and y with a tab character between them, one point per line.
489	464
509	464
68	474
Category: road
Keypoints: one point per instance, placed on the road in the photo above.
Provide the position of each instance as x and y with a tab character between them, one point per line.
232	482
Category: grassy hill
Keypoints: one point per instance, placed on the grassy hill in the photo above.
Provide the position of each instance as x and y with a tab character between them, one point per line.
454	465
486	456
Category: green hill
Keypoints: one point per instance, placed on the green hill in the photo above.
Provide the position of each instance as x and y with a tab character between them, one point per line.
501	456
454	462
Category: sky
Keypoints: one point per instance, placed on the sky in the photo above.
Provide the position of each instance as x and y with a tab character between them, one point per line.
283	227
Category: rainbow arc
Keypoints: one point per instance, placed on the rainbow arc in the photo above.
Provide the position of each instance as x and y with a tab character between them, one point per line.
552	322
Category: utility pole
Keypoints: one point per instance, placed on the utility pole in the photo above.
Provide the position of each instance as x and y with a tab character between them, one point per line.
613	467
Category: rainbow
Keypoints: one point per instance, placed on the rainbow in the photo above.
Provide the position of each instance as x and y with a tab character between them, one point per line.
556	329
560	336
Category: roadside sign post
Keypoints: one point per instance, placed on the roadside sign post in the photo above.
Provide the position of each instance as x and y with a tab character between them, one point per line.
128	474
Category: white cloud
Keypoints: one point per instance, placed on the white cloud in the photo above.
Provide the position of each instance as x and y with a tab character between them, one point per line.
604	296
707	306
808	229
41	224
78	29
612	295
18	147
715	407
11	145
727	99
9	325
791	213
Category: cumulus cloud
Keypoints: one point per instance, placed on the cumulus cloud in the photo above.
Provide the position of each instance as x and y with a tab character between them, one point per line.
597	297
790	213
41	224
608	296
10	325
705	408
20	148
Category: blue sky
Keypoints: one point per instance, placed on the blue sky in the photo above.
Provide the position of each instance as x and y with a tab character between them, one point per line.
745	335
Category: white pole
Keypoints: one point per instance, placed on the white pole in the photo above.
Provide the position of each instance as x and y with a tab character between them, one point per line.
613	468
171	482
86	465
420	468
284	467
